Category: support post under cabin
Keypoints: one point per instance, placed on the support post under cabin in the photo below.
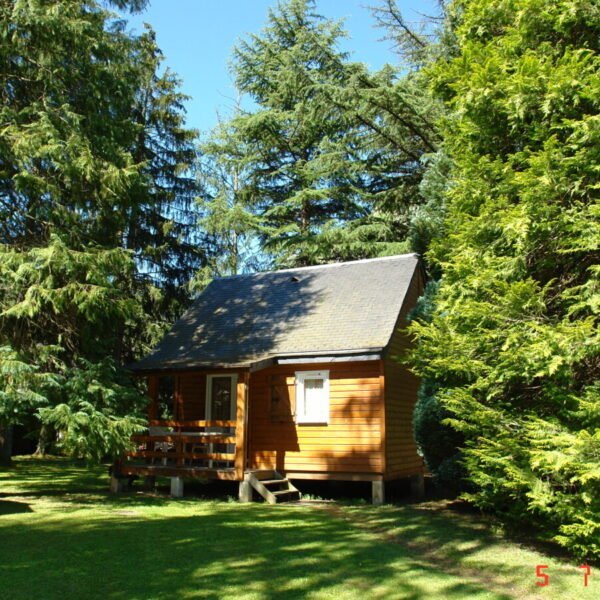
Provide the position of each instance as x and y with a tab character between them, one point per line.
149	482
245	492
117	484
378	492
417	486
176	487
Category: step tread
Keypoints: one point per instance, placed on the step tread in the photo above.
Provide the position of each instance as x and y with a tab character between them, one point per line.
261	479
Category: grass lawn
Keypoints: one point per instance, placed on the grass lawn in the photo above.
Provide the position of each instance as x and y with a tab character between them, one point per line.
63	536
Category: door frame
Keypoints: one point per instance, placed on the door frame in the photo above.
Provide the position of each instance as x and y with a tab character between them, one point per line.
234	378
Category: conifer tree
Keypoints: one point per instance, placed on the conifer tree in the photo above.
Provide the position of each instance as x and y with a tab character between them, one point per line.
94	173
161	220
512	338
394	131
300	177
231	227
333	152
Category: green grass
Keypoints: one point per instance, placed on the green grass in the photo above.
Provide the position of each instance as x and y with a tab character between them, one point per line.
63	536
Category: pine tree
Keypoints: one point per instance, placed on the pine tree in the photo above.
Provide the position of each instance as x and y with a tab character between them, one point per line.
94	160
161	218
408	169
232	228
395	130
512	337
300	178
334	154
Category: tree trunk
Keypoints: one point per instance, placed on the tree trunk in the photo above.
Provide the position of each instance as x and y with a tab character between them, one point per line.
304	217
43	441
6	442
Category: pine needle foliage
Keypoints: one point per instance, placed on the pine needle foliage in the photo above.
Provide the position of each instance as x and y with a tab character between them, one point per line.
512	337
331	153
300	175
96	215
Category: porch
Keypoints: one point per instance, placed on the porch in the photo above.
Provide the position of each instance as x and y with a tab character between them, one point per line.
206	449
210	447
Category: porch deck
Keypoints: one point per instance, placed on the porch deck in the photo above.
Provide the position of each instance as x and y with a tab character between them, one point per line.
196	449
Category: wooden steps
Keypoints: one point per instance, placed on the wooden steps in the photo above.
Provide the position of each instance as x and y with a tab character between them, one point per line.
272	486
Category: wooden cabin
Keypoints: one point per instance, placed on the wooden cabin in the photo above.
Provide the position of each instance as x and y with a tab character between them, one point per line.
273	378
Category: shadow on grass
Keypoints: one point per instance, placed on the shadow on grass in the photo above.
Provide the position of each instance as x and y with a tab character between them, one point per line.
462	543
226	550
11	507
30	476
83	542
74	482
457	522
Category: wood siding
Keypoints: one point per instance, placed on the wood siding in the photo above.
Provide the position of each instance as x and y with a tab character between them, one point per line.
351	442
400	393
191	393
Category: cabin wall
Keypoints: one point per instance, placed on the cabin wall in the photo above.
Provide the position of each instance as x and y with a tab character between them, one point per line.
401	388
191	396
350	443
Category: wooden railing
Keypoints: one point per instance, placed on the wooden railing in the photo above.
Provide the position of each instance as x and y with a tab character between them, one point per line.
187	444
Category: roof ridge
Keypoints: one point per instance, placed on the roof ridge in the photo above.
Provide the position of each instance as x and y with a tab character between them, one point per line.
325	266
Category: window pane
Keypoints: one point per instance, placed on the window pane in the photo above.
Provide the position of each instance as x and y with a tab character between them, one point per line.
313	384
313	397
221	399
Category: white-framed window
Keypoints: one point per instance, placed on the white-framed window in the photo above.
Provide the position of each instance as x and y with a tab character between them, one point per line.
221	397
312	396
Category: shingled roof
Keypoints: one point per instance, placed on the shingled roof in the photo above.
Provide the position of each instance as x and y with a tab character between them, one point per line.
331	310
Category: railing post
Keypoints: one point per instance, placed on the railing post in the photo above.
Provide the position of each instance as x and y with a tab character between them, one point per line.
179	449
240	427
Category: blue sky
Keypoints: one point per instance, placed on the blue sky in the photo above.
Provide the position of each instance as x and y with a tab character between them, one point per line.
197	37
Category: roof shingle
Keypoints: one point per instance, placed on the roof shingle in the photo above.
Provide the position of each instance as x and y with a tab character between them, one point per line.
336	309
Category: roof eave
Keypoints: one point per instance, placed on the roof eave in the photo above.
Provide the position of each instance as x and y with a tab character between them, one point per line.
329	356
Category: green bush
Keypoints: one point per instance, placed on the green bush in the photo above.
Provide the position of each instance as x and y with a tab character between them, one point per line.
439	443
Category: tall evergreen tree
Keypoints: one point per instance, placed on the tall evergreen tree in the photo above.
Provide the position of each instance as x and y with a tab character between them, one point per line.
161	220
395	116
408	169
231	226
513	334
333	153
300	178
93	160
394	131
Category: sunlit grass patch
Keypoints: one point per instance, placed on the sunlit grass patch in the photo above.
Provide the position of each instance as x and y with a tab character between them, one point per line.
63	536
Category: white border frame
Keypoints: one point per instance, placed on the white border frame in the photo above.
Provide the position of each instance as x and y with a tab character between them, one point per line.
300	377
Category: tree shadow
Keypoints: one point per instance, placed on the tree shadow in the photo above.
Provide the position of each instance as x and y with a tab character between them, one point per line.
140	545
459	541
238	320
11	507
349	443
50	476
224	550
